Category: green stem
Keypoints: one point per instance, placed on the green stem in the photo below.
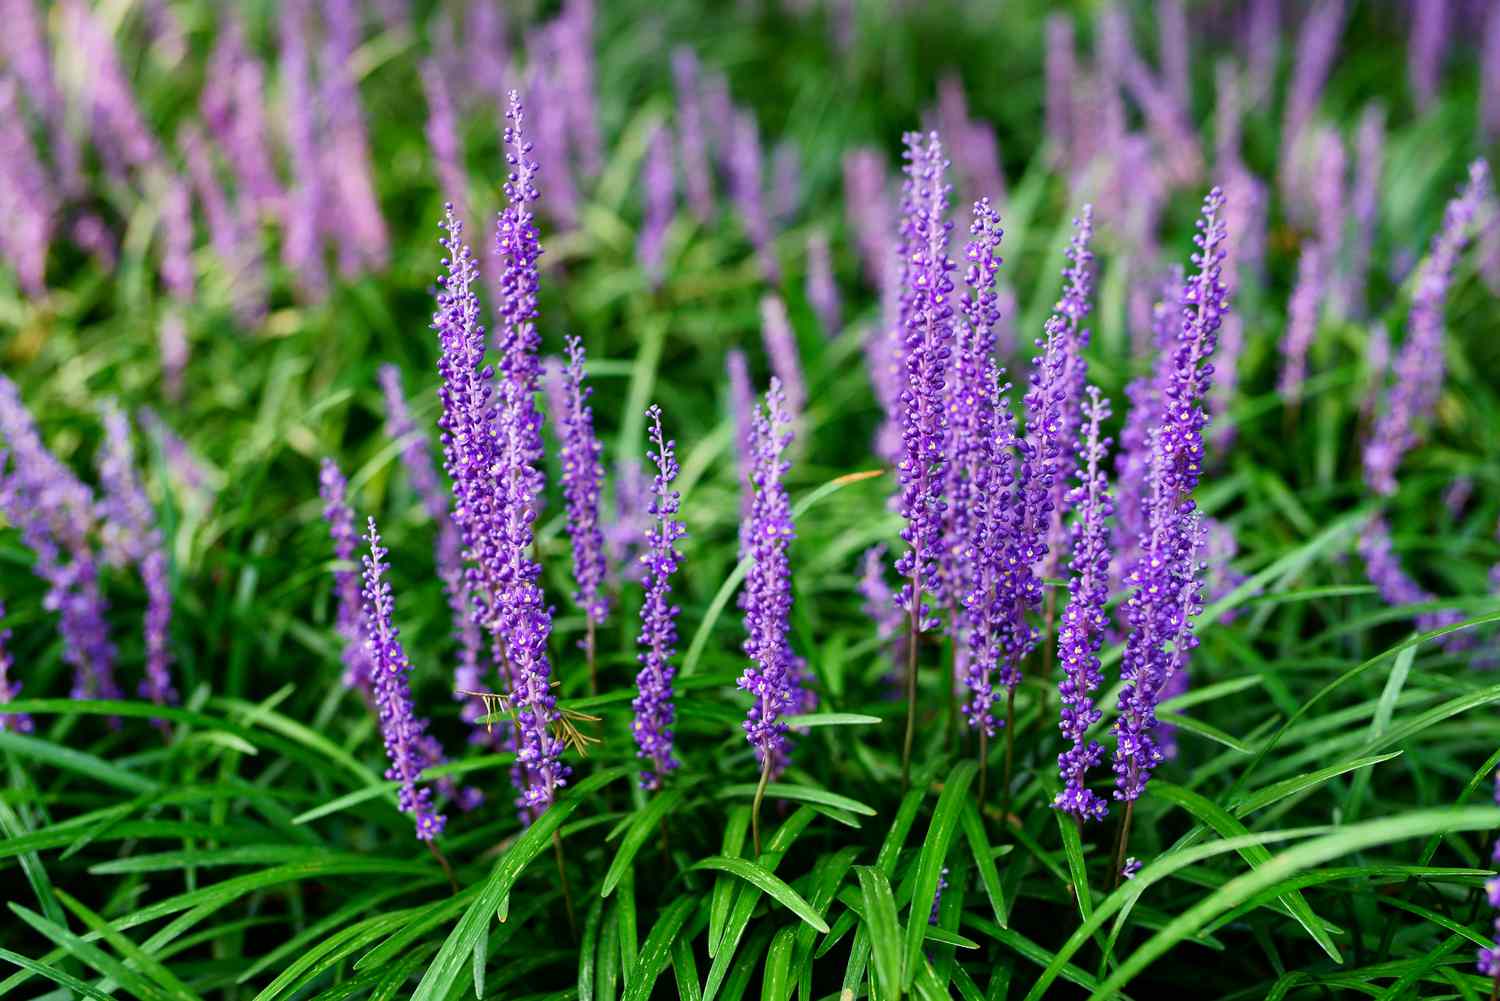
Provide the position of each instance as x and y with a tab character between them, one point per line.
760	794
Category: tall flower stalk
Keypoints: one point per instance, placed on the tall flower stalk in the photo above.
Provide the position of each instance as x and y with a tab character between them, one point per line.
334	489
9	689
927	340
582	481
400	727
654	712
1165	581
1084	619
771	677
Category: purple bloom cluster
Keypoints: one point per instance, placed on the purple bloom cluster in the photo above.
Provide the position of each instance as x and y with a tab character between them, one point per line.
653	707
334	489
1419	366
927	343
404	732
772	677
130	536
582	480
13	722
1166	593
659	195
1084	620
55	512
781	347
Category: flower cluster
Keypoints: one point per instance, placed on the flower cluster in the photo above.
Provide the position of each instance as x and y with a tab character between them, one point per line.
403	731
1084	620
772	677
927	333
334	489
653	707
130	536
1166	593
582	480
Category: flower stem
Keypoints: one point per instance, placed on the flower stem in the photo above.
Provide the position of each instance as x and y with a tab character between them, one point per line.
984	767
443	861
911	688
1124	843
562	875
760	793
1010	751
588	645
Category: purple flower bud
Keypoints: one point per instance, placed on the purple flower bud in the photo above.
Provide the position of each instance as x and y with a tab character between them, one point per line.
654	712
659	196
1419	368
1081	633
55	513
404	732
772	676
12	722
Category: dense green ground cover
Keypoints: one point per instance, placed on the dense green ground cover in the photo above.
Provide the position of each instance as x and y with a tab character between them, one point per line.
1323	832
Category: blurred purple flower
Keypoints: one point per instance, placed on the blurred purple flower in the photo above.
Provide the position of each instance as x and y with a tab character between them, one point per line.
822	289
333	489
350	213
443	136
582	483
1428	45
1301	323
659	202
130	535
302	244
28	201
744	168
781	347
692	143
1419	367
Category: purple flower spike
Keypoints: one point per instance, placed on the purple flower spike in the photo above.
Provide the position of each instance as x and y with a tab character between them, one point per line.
1489	77
1165	580
583	478
12	722
659	187
781	348
741	410
654	712
403	731
333	488
1364	205
1061	71
822	290
692	142
1419	366
1317	44
522	618
744	167
55	513
1429	44
130	534
767	597
1396	587
1301	323
443	135
927	343
1084	620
